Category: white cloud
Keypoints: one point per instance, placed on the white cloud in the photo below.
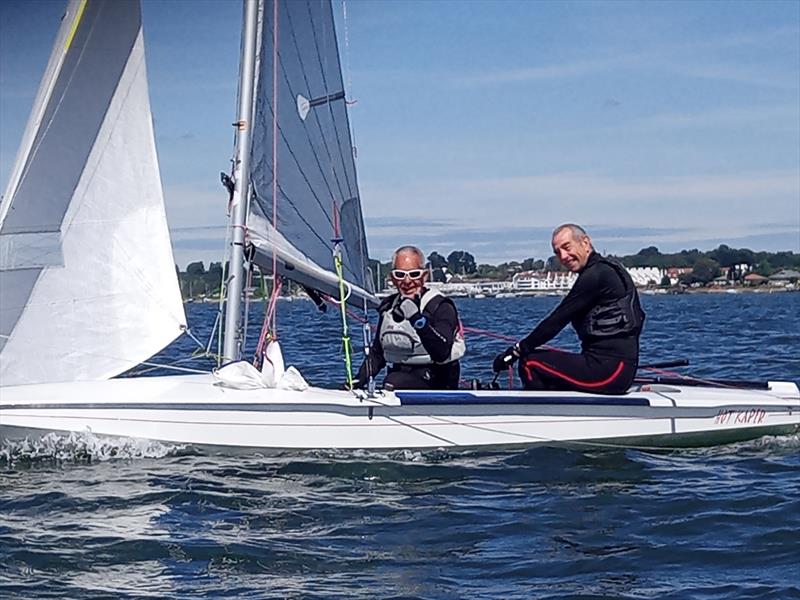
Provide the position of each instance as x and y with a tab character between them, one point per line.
686	208
544	72
734	73
496	245
780	116
707	59
499	219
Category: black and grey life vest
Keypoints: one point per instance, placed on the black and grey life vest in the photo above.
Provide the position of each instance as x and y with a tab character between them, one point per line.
401	343
615	317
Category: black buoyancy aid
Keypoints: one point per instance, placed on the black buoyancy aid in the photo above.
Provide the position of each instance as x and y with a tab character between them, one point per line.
622	316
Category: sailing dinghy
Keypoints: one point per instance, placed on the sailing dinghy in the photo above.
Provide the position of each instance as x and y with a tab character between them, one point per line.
88	287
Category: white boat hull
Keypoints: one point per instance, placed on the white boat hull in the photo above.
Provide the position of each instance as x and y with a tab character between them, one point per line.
192	410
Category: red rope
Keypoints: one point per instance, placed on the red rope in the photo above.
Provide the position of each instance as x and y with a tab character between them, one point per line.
335	217
268	333
486	333
276	285
361	319
687	377
464	328
505	338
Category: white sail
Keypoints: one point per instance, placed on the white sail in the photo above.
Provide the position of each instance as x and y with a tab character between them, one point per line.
303	174
88	287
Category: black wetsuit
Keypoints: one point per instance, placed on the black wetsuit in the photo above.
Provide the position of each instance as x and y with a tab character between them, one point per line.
437	337
607	363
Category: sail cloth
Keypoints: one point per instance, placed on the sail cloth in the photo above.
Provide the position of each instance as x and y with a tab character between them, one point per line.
317	189
88	287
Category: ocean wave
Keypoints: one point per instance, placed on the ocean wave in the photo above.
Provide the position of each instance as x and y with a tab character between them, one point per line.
83	447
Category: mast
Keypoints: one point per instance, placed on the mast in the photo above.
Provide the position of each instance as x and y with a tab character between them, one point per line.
241	178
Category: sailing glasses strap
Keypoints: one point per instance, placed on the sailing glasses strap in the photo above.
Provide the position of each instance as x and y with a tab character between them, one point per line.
412	274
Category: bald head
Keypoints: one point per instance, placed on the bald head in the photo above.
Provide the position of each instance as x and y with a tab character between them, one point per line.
572	245
408	271
576	230
411	257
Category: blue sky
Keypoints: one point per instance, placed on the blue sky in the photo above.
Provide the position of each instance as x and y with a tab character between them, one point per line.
482	125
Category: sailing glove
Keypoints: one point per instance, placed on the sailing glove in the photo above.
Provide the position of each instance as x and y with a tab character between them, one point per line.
505	359
407	310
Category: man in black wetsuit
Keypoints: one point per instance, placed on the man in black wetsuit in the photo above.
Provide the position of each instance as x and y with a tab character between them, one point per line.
603	307
418	332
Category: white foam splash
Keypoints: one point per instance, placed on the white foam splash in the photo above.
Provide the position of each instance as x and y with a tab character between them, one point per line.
778	442
82	447
426	455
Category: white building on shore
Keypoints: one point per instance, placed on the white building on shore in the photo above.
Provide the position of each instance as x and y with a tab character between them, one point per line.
534	281
644	276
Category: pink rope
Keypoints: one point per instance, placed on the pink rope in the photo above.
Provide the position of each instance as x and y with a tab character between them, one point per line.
463	328
486	333
335	208
350	312
272	313
505	338
269	317
687	377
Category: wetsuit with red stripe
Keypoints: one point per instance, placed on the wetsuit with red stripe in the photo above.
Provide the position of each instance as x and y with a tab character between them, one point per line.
607	363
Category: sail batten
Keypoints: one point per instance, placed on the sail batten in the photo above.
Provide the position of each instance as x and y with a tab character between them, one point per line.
330	104
340	95
318	203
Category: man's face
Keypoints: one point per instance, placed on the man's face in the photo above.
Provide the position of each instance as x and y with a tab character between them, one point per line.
572	251
408	274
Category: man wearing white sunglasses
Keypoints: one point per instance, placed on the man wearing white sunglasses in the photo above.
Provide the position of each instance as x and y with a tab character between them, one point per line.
418	333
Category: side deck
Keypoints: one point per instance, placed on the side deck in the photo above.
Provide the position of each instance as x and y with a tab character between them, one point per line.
192	410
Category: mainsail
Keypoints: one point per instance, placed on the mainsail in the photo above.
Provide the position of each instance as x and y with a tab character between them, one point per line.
88	287
304	190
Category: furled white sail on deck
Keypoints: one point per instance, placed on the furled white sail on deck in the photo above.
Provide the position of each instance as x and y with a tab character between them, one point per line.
317	198
88	287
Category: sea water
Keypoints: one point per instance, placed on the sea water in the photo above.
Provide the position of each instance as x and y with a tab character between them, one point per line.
82	517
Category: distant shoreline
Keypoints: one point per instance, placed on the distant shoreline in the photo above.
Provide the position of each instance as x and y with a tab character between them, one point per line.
741	289
732	291
642	292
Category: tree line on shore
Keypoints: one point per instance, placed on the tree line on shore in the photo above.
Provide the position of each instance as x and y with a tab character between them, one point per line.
197	281
705	265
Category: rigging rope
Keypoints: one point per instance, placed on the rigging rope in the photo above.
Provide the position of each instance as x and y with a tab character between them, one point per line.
248	293
270	321
484	332
343	296
268	332
337	259
347	69
169	366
